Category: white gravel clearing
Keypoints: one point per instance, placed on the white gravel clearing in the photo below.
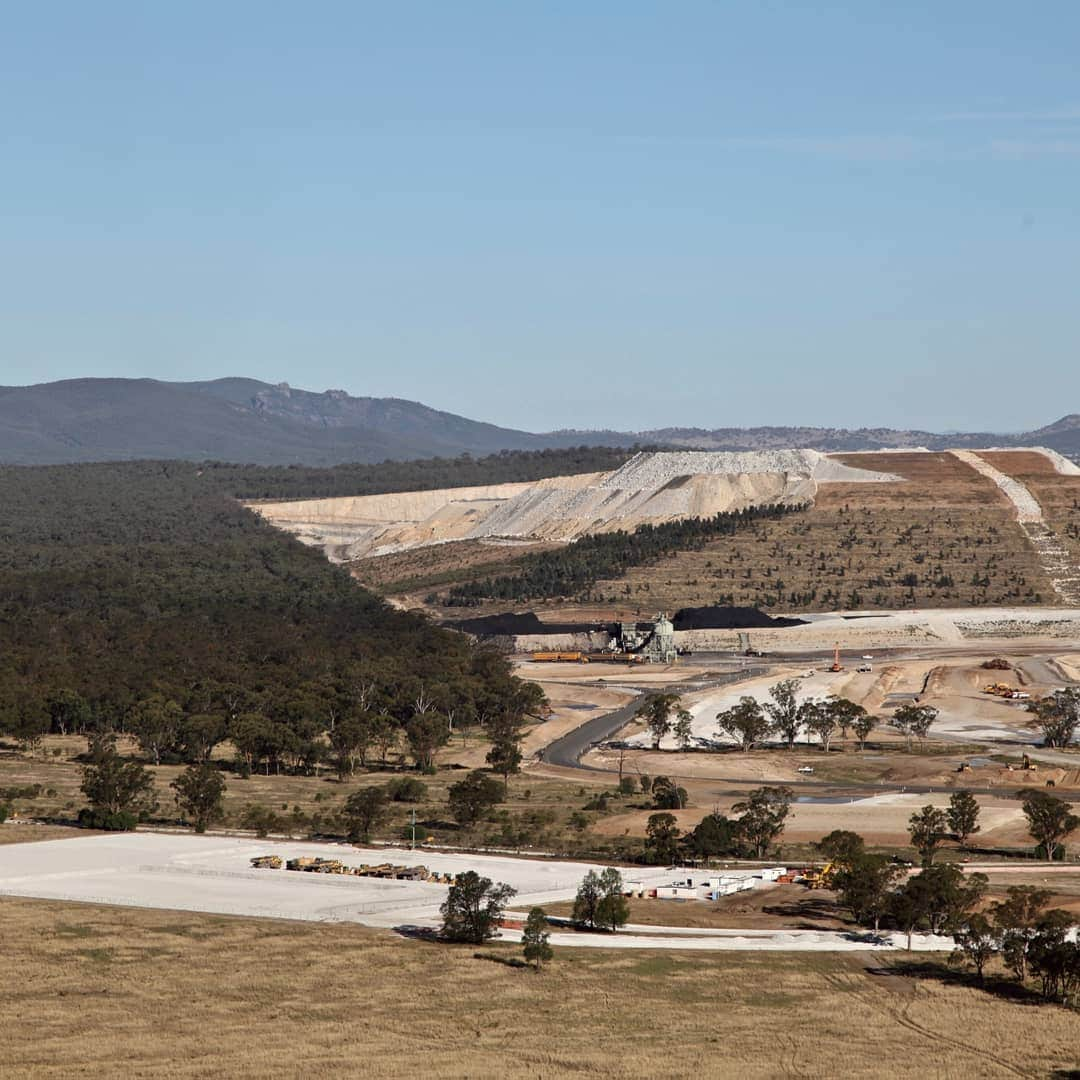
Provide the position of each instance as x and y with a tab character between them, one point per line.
213	874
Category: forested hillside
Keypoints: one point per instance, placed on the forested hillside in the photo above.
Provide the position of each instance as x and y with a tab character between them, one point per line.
508	466
573	570
145	581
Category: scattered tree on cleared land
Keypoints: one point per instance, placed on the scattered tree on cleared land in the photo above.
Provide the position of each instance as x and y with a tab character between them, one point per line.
118	790
821	721
473	908
963	816
365	810
667	795
1057	716
783	710
841	847
763	814
846	714
505	753
937	899
657	711
470	799
713	835
927	829
865	886
913	721
200	790
536	939
600	903
863	726
1050	820
746	723
662	839
1017	920
977	941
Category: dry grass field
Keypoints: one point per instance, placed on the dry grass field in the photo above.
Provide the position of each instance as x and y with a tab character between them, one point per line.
107	992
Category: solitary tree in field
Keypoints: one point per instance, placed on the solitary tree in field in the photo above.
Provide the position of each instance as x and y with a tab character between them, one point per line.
657	711
200	790
963	815
745	723
1050	820
535	938
473	908
927	829
783	710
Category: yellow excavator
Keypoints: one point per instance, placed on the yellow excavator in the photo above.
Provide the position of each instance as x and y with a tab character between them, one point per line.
820	879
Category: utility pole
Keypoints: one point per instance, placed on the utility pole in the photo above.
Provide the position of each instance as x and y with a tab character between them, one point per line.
413	822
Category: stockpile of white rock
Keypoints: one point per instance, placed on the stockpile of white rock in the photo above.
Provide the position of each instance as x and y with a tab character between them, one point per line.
653	470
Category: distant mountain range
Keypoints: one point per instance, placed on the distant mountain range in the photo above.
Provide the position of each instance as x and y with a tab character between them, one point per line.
245	420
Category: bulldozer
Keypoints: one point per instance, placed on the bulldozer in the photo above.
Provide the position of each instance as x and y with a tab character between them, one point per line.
267	862
820	879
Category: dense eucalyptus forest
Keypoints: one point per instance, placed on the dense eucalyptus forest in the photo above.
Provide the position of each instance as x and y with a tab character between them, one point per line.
143	597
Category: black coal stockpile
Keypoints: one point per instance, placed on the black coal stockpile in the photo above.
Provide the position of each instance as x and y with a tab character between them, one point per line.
510	623
728	618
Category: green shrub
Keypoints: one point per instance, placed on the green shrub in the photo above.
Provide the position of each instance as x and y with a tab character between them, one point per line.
123	821
406	789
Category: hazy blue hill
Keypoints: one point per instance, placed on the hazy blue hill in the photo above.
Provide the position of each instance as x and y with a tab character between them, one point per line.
248	421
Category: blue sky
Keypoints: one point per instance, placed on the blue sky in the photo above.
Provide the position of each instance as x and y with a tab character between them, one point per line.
554	214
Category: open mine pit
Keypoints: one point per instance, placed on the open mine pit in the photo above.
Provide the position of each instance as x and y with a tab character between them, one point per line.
649	489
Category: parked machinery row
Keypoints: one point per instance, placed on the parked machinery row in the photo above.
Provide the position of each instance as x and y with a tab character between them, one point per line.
315	865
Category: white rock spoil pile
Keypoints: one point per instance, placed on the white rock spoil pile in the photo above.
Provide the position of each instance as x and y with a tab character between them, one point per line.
650	488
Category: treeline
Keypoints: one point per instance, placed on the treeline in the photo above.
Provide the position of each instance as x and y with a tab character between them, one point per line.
573	570
508	466
140	597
